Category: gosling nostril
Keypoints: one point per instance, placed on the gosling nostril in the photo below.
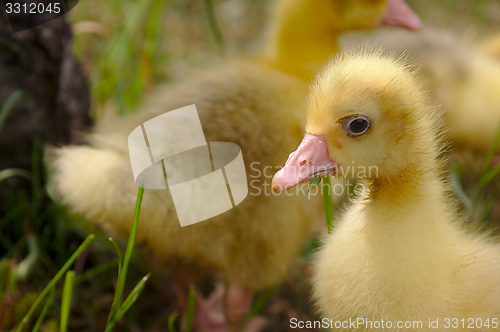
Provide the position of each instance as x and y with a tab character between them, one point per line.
302	163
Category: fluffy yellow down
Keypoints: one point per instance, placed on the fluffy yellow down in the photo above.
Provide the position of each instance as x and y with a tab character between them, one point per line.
400	253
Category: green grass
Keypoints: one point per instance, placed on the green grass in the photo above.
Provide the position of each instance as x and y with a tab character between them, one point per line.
191	306
54	281
328	203
214	26
123	265
67	297
327	199
42	315
118	309
8	105
126	58
171	321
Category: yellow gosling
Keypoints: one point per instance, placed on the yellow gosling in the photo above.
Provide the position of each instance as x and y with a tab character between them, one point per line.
400	253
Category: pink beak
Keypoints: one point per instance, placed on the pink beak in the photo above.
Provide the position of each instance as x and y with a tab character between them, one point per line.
399	14
310	159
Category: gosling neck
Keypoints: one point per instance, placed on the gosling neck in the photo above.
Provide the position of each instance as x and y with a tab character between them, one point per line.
299	41
404	223
418	174
414	188
409	182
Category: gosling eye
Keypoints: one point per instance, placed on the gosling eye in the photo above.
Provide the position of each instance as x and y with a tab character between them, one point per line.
356	125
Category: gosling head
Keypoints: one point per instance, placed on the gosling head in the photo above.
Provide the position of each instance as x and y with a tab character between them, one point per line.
366	119
345	15
367	14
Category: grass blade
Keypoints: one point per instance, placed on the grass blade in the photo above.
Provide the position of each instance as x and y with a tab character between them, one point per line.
327	198
171	321
24	267
7	106
459	189
314	182
214	27
54	280
69	284
120	261
10	172
44	311
120	285
95	271
191	306
260	302
132	297
488	176
491	151
129	301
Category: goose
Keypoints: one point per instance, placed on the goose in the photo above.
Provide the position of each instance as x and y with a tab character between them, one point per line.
400	257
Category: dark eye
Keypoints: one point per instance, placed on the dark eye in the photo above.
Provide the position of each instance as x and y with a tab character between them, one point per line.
356	125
